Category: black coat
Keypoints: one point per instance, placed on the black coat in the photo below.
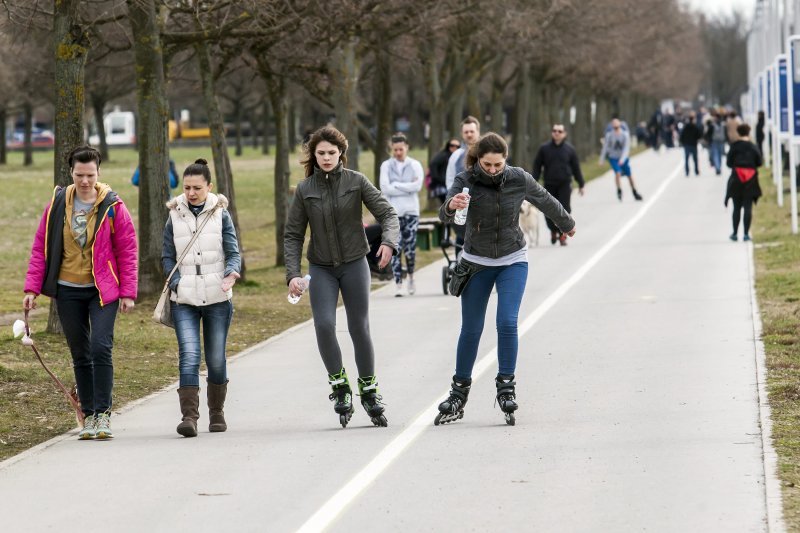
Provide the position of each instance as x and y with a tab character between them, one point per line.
690	134
743	154
438	167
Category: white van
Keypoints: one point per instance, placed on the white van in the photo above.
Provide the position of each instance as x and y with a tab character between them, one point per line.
120	129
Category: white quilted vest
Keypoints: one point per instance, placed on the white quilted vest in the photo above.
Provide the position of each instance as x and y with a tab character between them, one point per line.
203	268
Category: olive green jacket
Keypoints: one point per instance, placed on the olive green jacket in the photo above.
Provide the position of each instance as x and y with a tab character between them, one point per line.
331	204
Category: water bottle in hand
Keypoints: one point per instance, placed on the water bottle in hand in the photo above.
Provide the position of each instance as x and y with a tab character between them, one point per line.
461	214
303	286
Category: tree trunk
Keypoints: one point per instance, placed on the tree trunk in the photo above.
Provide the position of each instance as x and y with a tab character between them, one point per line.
456	113
437	114
237	109
3	149
344	82
151	134
474	102
27	110
98	106
71	48
292	125
582	131
383	103
276	87
219	147
538	116
496	111
265	127
519	140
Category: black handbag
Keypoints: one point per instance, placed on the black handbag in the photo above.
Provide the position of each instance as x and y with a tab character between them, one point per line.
463	271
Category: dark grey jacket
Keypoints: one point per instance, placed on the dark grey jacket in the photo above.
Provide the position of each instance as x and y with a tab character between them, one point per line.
331	204
492	228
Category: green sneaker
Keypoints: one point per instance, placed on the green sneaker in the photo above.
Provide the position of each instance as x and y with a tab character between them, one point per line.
89	430
103	426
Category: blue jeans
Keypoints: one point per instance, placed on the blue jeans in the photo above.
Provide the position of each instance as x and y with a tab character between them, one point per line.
510	281
690	151
89	330
216	320
717	149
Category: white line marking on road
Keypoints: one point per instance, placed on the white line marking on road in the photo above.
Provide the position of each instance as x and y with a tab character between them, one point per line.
349	492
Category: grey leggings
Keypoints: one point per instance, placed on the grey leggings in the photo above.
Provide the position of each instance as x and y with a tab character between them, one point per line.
353	280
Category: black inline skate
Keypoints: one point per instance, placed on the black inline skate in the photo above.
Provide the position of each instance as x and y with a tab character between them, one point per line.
452	408
371	400
342	395
506	396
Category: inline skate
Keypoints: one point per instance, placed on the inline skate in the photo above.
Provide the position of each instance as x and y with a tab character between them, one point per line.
506	396
452	408
342	396
371	400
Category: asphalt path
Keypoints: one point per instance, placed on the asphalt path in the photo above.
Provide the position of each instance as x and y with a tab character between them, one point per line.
638	384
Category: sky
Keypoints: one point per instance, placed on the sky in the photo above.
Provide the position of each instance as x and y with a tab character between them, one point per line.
715	7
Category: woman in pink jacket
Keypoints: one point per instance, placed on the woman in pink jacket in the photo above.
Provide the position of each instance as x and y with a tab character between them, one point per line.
85	256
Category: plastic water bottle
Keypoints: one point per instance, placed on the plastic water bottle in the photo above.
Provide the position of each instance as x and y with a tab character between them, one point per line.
461	214
304	286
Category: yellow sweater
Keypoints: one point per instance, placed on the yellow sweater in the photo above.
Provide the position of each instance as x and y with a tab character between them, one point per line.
76	263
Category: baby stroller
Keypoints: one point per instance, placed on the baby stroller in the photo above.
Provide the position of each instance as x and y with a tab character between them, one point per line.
373	233
445	243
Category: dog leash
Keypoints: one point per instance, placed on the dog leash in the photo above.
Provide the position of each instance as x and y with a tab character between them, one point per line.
72	396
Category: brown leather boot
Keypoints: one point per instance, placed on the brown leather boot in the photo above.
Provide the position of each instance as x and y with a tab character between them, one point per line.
216	403
190	409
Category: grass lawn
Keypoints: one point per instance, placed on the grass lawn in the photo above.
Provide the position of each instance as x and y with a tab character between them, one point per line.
145	354
777	256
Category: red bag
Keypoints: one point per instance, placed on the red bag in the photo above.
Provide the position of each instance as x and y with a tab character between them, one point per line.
745	174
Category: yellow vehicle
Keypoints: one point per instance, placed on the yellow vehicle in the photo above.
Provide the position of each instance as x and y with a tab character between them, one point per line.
183	132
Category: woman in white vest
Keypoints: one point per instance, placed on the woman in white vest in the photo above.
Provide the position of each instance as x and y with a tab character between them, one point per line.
401	181
201	291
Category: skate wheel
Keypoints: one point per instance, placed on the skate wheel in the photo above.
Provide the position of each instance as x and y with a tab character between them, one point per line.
438	419
510	420
380	421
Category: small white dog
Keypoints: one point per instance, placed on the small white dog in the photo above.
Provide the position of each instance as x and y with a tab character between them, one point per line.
529	222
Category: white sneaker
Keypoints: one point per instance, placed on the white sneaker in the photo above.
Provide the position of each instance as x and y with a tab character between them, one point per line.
398	289
412	288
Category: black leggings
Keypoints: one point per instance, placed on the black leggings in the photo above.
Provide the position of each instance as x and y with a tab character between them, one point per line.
738	205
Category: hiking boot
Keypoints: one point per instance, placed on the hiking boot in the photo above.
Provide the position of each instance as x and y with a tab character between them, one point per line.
189	397
398	289
637	196
619	196
88	432
103	426
734	237
746	237
553	237
412	288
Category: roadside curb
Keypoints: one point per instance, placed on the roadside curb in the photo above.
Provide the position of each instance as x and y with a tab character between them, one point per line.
772	485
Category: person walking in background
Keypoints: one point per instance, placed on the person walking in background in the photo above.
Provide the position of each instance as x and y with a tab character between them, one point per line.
760	133
496	252
470	132
743	187
85	256
731	124
438	170
689	137
558	162
401	180
617	148
715	134
337	261
201	292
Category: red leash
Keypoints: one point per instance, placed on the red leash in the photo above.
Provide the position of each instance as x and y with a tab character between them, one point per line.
71	395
